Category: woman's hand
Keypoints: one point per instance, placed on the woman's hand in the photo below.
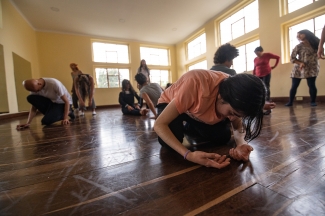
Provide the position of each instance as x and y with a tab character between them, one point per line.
22	126
130	108
90	103
241	152
137	106
301	66
208	159
81	104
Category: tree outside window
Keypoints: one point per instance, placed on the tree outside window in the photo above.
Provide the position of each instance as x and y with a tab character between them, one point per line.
159	76
110	77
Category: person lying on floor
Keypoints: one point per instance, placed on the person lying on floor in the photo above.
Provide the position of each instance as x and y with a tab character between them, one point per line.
150	92
50	97
210	102
126	100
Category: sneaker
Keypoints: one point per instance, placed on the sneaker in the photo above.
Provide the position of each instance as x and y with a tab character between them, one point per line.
71	115
94	112
81	113
288	104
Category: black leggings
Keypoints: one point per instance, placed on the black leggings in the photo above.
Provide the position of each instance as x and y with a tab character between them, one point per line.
266	79
218	133
312	88
52	112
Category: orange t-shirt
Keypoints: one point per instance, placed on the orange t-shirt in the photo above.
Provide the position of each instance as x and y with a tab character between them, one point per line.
195	94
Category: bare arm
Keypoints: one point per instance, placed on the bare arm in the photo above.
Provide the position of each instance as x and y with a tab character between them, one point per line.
242	150
162	129
76	89
150	104
66	110
31	115
320	52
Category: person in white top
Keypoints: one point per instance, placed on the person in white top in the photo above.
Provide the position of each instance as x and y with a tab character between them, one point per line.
50	97
143	69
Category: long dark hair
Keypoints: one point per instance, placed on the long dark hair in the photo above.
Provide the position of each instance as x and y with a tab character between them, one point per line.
246	94
84	85
145	67
131	89
312	39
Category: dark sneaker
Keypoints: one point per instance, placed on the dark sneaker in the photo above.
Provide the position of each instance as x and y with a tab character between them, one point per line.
313	104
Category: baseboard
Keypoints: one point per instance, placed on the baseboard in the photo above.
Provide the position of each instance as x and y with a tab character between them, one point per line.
13	115
304	99
108	106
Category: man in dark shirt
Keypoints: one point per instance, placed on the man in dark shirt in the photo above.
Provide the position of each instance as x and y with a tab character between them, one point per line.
223	58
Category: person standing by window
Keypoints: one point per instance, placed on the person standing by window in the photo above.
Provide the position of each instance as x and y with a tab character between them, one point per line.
262	69
144	69
306	66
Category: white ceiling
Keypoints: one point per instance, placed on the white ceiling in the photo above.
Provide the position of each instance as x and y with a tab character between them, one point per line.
155	21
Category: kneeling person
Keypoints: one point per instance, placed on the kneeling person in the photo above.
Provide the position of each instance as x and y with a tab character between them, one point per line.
150	92
51	98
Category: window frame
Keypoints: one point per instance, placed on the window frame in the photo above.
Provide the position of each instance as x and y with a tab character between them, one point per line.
245	42
156	47
106	67
192	38
160	69
195	62
285	40
241	5
109	42
284	7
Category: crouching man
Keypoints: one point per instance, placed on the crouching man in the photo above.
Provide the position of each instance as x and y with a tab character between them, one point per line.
51	98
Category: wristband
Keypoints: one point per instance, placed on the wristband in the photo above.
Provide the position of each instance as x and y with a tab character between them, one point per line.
186	153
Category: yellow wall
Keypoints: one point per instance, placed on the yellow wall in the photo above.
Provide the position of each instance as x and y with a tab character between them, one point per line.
269	34
16	36
57	51
51	53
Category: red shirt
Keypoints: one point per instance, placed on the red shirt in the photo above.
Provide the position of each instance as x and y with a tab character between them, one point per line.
262	66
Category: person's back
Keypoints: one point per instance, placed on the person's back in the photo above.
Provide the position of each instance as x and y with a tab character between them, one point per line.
53	90
153	90
224	69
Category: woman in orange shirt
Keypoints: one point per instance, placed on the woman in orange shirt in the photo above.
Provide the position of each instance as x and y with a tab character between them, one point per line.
207	101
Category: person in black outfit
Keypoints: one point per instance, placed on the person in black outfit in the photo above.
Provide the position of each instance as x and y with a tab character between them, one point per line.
126	99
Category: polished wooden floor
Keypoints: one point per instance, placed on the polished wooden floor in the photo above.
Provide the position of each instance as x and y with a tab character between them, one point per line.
112	164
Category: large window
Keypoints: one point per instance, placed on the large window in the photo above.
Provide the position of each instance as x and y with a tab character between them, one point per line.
199	65
314	25
154	56
245	60
294	5
159	76
196	47
110	77
240	23
110	53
